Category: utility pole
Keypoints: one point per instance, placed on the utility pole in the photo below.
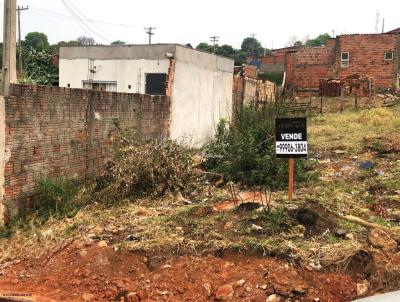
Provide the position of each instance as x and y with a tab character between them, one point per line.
214	40
377	21
19	9
9	46
149	31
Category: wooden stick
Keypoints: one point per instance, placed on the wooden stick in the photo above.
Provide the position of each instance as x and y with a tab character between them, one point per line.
356	100
291	178
341	98
365	223
321	108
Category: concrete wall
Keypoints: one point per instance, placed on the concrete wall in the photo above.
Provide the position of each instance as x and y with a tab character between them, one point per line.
201	95
120	63
124	72
52	131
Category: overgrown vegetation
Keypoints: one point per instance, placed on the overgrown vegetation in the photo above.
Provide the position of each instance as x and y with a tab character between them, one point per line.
55	198
145	168
245	152
40	68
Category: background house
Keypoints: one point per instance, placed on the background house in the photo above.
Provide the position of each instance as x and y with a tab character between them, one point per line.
372	56
198	83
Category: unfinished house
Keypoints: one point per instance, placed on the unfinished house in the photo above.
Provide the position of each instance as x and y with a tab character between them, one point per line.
363	56
199	84
375	56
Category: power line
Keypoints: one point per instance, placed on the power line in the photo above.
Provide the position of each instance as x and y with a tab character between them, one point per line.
83	24
80	20
75	17
85	17
214	40
149	31
19	10
38	10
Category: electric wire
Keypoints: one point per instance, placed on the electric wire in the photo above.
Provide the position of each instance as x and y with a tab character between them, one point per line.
94	24
83	24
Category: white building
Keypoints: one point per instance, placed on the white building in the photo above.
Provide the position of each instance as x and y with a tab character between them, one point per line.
198	83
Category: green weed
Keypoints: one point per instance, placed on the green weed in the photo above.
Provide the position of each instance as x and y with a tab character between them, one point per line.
55	198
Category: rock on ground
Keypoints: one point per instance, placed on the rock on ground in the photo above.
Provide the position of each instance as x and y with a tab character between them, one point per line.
225	293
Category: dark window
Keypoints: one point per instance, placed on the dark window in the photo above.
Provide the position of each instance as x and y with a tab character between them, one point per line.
156	83
129	86
345	59
389	55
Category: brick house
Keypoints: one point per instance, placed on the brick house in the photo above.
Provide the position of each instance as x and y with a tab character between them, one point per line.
375	56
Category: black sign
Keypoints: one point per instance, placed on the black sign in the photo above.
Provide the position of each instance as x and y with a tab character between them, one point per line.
291	137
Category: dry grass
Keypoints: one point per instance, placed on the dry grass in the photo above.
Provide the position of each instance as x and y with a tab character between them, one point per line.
349	129
335	255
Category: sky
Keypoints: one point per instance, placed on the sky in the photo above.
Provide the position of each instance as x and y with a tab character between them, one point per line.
273	23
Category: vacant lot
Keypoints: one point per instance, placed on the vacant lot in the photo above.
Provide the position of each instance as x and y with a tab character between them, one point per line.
336	241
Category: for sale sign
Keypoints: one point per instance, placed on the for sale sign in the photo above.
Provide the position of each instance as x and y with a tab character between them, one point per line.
291	137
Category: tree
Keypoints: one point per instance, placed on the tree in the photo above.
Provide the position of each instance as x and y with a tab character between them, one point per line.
298	43
318	41
226	51
205	47
252	47
36	40
86	41
68	43
40	67
118	42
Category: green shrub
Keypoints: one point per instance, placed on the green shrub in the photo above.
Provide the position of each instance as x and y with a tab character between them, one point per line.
245	152
55	198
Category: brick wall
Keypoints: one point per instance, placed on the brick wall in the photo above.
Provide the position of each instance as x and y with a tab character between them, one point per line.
367	57
273	63
52	131
276	58
306	67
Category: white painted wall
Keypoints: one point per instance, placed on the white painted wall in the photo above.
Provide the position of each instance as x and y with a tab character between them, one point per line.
201	95
124	72
202	84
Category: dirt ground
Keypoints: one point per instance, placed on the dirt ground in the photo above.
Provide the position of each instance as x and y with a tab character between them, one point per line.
93	273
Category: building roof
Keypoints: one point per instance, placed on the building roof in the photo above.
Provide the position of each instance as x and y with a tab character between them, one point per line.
132	51
394	31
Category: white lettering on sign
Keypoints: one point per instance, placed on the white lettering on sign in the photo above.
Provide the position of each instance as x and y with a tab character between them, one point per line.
291	148
292	136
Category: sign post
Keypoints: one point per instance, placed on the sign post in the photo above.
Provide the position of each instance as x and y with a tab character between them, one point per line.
291	143
291	178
